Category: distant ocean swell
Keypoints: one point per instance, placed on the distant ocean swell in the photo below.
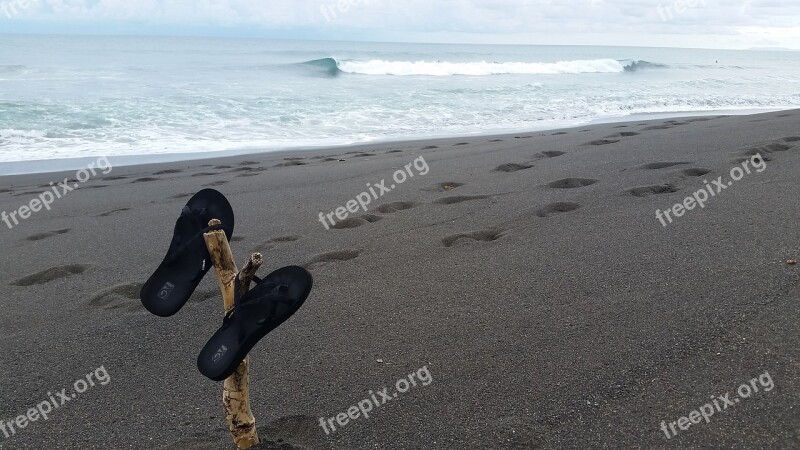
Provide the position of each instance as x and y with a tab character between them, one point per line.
333	67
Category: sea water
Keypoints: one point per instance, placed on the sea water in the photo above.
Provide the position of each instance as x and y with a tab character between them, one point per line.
71	97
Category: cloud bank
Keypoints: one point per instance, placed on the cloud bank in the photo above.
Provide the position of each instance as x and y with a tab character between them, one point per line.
693	23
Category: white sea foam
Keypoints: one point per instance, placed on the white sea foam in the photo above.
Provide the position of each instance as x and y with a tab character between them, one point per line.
445	68
168	96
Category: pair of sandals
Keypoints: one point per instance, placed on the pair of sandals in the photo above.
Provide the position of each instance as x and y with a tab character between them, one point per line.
262	309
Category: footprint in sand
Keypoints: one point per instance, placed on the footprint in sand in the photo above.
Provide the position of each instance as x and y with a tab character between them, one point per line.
444	187
390	208
27	193
657	127
53	273
330	257
291	164
205	174
559	133
602	142
512	167
278	240
777	147
496	140
248	163
395	151
460	143
549	154
113	211
114	178
556	208
40	236
144	180
223	167
623	134
695	172
120	296
662	165
355	222
216	183
572	183
176	196
237	239
488	235
283	239
791	139
459	199
168	172
429	147
647	191
749	159
761	152
363	155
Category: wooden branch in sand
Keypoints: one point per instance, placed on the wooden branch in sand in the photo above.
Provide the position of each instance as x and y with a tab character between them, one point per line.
236	390
222	257
249	270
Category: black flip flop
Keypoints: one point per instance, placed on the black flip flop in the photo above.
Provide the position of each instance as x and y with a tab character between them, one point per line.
270	303
187	259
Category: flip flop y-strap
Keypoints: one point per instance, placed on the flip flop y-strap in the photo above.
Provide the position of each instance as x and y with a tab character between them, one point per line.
278	295
177	241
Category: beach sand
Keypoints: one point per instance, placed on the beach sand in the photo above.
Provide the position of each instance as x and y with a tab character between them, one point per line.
528	273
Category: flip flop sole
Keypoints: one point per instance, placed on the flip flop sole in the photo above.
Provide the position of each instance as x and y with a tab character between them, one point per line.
263	309
176	278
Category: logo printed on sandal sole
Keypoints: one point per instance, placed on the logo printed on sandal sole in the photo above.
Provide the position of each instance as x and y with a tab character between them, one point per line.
220	353
166	291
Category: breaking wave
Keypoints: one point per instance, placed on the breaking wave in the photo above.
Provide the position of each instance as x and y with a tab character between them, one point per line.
334	67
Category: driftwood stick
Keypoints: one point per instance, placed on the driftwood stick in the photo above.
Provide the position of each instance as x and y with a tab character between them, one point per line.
249	271
225	266
236	390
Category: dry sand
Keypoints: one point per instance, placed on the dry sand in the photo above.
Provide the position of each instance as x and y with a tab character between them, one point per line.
549	304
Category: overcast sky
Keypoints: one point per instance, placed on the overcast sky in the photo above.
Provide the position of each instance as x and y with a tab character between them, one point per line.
677	23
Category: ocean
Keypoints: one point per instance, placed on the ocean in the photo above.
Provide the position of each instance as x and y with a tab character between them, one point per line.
70	97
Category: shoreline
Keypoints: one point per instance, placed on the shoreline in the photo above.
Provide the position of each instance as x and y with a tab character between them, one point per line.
55	166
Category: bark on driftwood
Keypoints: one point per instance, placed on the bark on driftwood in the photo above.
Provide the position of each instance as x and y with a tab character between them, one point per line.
236	390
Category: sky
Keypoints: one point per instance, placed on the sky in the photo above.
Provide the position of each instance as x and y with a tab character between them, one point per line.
733	24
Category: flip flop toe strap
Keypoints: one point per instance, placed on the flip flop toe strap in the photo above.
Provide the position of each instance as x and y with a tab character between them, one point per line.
266	316
196	217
